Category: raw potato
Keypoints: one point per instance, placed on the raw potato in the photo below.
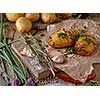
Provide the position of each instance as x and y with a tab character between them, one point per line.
64	15
48	17
85	45
13	16
23	24
33	16
62	38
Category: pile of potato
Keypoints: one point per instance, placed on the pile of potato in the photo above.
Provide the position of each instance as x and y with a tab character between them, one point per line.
23	21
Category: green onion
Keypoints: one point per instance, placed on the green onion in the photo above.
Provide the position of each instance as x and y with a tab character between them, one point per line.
1	27
9	59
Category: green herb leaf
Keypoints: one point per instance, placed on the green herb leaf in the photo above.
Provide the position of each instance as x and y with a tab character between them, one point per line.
62	35
94	83
76	37
82	35
89	41
69	32
70	50
9	59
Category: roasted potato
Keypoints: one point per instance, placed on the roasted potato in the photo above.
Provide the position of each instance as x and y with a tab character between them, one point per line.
13	16
62	38
33	16
23	24
48	17
85	44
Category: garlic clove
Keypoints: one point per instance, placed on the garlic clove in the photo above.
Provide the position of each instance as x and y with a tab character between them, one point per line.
58	59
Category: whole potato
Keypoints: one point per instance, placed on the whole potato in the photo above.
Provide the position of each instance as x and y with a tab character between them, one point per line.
23	24
33	16
48	17
64	15
13	16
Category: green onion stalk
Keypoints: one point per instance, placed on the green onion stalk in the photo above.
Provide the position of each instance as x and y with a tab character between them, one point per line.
9	59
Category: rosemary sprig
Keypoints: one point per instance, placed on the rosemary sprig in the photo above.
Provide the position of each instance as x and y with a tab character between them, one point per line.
37	50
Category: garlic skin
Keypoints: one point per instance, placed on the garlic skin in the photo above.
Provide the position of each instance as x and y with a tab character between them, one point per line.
58	59
56	56
26	52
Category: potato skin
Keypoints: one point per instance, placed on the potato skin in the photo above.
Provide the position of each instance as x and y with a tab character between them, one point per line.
23	24
83	47
33	16
64	15
48	18
13	16
60	42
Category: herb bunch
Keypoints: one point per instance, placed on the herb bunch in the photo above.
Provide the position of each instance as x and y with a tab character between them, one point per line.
8	59
38	52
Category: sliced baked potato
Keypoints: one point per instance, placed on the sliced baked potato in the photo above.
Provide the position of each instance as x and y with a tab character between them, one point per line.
62	38
85	44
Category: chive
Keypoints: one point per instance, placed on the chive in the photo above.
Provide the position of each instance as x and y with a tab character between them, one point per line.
3	57
5	35
1	28
8	57
19	74
20	63
4	68
9	62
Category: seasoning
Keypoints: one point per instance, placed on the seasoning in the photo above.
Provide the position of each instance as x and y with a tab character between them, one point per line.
61	35
70	50
89	41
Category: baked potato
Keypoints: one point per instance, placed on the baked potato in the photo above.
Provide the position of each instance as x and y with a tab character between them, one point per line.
13	16
33	16
48	18
85	44
62	38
